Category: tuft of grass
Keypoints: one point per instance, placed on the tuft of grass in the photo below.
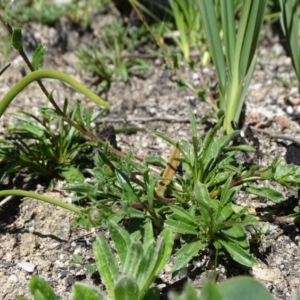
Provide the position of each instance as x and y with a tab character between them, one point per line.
110	58
233	55
187	20
290	25
47	146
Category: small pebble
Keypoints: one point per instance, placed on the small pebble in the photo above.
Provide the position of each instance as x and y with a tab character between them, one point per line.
196	263
195	76
13	278
182	272
26	266
63	273
31	229
290	110
59	264
168	268
282	121
53	246
77	251
294	101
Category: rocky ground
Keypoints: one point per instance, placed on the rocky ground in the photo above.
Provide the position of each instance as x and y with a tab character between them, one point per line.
41	234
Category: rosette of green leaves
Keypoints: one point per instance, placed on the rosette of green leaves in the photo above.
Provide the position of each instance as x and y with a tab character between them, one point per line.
140	261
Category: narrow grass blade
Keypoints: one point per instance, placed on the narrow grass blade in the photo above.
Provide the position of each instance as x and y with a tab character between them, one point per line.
248	34
210	25
228	26
290	26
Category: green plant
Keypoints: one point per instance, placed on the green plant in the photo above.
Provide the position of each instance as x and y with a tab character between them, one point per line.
109	59
234	289
187	19
36	75
234	55
38	10
199	204
39	74
34	143
127	275
205	213
140	262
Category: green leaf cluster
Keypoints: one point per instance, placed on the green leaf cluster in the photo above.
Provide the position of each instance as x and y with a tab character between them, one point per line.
141	259
35	144
233	55
107	59
125	288
140	262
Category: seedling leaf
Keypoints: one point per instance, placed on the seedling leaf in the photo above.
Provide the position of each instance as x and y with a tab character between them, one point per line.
17	39
38	56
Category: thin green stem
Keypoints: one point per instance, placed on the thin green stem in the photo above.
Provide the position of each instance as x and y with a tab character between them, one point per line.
37	196
36	75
